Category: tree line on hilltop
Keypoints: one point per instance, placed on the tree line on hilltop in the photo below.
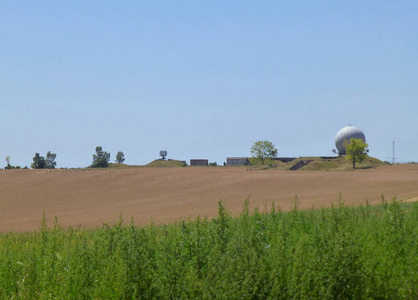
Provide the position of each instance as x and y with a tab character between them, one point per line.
100	160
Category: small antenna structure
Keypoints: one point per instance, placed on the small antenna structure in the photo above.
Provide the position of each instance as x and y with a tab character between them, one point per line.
393	153
163	154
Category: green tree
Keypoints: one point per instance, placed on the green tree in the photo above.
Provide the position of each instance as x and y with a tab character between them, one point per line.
38	162
50	162
120	157
356	150
100	159
263	149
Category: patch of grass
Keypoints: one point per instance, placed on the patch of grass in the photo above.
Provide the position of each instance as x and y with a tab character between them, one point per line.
156	164
316	164
166	164
122	166
268	162
340	164
366	252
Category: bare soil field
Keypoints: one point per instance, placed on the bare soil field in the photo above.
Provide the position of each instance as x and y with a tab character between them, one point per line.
162	195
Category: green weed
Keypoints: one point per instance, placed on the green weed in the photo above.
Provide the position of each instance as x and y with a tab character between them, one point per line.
366	252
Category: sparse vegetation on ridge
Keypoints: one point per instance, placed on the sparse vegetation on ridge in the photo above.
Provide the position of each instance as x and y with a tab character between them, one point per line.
166	164
340	164
316	164
366	252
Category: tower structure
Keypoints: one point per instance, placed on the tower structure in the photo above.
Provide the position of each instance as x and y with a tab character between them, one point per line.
393	153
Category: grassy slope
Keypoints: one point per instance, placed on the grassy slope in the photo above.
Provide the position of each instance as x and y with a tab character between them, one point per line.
122	166
339	164
318	164
153	164
166	164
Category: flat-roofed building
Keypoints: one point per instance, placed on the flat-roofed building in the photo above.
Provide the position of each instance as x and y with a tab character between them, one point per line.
237	161
199	162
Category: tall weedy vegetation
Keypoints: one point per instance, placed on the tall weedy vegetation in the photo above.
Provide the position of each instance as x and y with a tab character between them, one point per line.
337	253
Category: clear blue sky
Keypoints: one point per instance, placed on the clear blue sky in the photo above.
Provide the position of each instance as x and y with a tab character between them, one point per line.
205	79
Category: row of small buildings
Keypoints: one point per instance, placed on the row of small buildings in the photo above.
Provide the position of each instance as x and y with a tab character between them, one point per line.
230	161
234	161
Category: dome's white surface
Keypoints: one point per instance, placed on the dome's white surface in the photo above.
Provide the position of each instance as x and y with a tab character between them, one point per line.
346	134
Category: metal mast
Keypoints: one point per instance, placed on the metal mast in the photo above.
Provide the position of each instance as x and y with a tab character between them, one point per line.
393	153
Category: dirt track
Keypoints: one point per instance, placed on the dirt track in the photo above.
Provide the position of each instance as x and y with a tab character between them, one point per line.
90	198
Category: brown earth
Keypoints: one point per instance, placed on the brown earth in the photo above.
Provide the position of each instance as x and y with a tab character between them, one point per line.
162	195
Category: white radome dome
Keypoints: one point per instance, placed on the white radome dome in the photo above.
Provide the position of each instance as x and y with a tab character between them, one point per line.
346	134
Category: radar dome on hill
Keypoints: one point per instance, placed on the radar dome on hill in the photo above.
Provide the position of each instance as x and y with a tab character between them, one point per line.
346	134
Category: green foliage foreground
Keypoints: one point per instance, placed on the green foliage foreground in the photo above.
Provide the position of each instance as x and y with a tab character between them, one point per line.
337	253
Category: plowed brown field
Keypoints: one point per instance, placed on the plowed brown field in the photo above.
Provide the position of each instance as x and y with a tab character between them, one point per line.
162	195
